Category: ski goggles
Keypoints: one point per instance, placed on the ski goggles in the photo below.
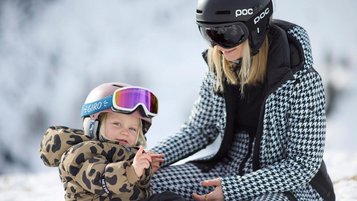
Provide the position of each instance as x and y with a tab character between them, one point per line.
227	35
125	100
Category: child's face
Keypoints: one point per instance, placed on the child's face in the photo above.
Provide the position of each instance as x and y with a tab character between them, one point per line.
122	128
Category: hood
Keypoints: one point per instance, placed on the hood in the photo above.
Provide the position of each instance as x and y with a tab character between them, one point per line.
57	140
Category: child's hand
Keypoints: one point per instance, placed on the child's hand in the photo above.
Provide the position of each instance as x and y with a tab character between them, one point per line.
141	161
157	160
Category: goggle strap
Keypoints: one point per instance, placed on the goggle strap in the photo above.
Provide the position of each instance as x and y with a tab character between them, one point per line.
251	24
97	106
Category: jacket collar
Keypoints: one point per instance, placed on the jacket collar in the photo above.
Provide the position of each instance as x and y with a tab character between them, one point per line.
279	69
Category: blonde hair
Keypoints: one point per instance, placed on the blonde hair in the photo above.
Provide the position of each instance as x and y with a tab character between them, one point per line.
140	139
251	72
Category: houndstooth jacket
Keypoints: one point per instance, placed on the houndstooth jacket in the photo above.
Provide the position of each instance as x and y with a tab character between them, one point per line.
290	139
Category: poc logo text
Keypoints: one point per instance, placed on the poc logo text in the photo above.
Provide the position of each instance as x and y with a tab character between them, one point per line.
240	12
261	15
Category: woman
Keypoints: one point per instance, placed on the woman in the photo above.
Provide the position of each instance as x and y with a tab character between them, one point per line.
263	96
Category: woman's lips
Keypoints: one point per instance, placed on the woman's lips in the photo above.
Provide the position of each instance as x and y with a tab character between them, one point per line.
228	51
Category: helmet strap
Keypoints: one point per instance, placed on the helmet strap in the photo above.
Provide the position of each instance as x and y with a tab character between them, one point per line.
93	128
256	40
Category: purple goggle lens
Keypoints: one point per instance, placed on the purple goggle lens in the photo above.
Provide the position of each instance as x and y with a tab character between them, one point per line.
127	99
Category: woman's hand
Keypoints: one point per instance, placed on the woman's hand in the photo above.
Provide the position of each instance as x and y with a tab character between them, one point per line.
141	161
216	195
157	160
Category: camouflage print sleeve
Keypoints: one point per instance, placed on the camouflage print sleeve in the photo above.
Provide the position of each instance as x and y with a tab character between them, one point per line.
145	181
102	169
120	177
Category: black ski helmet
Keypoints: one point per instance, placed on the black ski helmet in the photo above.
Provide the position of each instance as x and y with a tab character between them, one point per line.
254	14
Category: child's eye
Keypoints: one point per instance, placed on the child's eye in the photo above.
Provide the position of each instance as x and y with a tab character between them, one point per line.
132	130
116	123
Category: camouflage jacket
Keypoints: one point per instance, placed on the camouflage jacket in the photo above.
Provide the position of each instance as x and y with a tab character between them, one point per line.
93	170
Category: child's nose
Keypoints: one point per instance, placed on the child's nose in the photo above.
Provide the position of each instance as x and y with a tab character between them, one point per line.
125	131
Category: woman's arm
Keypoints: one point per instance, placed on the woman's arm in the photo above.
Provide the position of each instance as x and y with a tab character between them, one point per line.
202	128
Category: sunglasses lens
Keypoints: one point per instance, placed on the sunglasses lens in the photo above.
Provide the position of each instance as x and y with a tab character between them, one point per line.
128	99
227	36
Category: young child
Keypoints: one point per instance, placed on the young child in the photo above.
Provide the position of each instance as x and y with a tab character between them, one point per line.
107	161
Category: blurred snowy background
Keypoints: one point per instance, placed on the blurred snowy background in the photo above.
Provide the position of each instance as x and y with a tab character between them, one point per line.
52	52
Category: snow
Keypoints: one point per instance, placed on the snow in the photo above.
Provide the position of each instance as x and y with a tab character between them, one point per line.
37	187
53	52
47	186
